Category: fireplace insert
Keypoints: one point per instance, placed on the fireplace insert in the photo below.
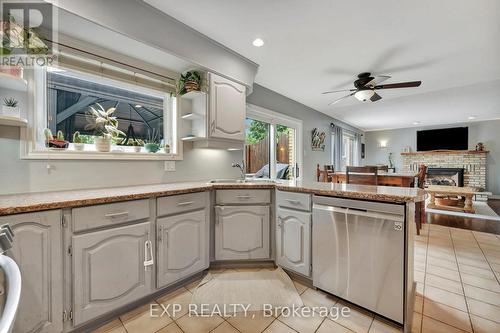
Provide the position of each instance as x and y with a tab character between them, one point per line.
445	176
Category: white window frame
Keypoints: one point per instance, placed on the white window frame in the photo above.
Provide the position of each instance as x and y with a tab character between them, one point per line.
274	118
37	114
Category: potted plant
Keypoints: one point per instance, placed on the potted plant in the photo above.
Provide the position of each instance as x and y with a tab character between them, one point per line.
58	142
137	144
152	144
190	81
78	141
105	125
10	107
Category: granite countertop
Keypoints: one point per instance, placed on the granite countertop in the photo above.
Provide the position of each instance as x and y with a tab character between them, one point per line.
32	202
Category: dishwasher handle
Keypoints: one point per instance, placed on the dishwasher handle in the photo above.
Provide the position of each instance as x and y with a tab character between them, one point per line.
359	212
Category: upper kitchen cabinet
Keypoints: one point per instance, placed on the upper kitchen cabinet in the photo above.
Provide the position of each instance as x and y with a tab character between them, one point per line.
227	109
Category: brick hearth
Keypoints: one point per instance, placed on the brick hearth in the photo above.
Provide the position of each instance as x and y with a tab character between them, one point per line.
473	162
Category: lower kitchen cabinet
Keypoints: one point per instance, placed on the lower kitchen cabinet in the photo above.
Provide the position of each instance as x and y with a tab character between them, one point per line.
242	232
293	240
111	268
182	246
37	249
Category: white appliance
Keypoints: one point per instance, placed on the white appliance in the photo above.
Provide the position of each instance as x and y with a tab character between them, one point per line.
358	253
12	281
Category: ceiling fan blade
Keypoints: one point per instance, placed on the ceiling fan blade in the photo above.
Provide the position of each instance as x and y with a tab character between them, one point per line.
341	98
411	84
377	80
337	91
375	97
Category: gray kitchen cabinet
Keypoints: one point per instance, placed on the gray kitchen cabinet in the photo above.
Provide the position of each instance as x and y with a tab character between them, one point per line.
182	246
227	109
293	240
242	232
37	249
111	268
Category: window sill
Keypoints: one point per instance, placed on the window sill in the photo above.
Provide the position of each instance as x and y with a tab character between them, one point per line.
95	155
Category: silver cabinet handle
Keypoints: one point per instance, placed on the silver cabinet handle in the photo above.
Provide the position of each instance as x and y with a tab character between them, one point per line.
160	235
280	219
243	196
186	203
148	249
111	215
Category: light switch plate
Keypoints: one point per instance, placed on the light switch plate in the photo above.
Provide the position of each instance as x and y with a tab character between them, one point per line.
169	166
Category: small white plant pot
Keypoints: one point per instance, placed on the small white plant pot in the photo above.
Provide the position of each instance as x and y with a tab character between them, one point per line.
79	146
103	145
11	111
137	149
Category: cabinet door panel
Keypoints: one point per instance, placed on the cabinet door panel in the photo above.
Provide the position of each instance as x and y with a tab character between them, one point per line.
37	249
182	246
293	240
109	270
227	109
242	232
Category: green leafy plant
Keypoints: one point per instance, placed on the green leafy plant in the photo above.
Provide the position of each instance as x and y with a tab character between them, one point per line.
258	131
103	122
77	138
10	102
189	81
60	136
48	135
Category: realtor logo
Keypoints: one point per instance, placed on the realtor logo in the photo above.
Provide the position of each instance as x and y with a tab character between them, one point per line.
26	33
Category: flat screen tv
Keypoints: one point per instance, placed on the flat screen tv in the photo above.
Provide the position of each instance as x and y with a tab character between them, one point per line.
456	138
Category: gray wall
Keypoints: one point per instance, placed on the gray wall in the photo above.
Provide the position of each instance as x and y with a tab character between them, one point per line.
486	132
311	118
18	176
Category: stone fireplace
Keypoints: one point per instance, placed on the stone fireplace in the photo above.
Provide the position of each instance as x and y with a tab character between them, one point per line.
445	176
471	162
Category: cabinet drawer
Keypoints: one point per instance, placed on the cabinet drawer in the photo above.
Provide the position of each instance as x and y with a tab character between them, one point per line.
300	201
91	217
242	196
180	203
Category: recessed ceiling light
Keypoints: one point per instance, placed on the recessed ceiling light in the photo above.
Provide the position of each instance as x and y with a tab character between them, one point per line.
258	42
416	123
138	106
472	117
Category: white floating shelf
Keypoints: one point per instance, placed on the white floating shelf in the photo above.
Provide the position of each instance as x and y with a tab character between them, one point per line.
12	82
194	95
13	121
192	116
192	138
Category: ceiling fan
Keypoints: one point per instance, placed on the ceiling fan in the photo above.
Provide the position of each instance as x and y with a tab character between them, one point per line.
366	84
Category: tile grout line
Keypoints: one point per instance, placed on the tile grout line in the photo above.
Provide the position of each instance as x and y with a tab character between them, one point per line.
462	284
486	257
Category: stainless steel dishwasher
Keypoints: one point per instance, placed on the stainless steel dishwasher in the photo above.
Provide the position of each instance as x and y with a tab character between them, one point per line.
358	253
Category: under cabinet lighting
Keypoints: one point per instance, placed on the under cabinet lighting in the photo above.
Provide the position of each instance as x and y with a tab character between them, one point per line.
416	123
472	117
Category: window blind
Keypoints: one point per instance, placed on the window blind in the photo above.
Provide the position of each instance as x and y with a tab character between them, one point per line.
79	60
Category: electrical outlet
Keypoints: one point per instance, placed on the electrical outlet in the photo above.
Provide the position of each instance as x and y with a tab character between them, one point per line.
169	166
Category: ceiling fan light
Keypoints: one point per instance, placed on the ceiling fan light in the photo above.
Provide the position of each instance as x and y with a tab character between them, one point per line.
364	95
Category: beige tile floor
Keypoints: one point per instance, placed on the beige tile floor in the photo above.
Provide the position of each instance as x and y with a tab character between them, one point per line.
457	273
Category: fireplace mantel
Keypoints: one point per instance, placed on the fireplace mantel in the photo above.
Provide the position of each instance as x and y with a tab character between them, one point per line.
446	152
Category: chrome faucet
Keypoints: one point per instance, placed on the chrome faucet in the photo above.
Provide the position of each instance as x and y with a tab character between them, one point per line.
241	167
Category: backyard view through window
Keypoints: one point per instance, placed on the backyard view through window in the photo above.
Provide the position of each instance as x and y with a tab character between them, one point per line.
139	111
263	150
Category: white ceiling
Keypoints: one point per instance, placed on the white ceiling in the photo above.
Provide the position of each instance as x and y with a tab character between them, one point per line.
314	46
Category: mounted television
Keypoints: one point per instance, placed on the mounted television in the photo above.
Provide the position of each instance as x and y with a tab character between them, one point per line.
456	138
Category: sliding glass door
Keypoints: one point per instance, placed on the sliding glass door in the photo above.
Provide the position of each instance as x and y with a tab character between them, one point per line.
273	143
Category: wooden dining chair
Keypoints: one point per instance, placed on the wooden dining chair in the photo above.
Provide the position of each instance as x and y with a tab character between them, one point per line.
420	216
366	175
324	175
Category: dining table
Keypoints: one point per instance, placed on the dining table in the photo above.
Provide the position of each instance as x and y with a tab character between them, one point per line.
400	179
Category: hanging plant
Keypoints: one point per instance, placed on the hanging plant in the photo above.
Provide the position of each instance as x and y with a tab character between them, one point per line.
189	81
